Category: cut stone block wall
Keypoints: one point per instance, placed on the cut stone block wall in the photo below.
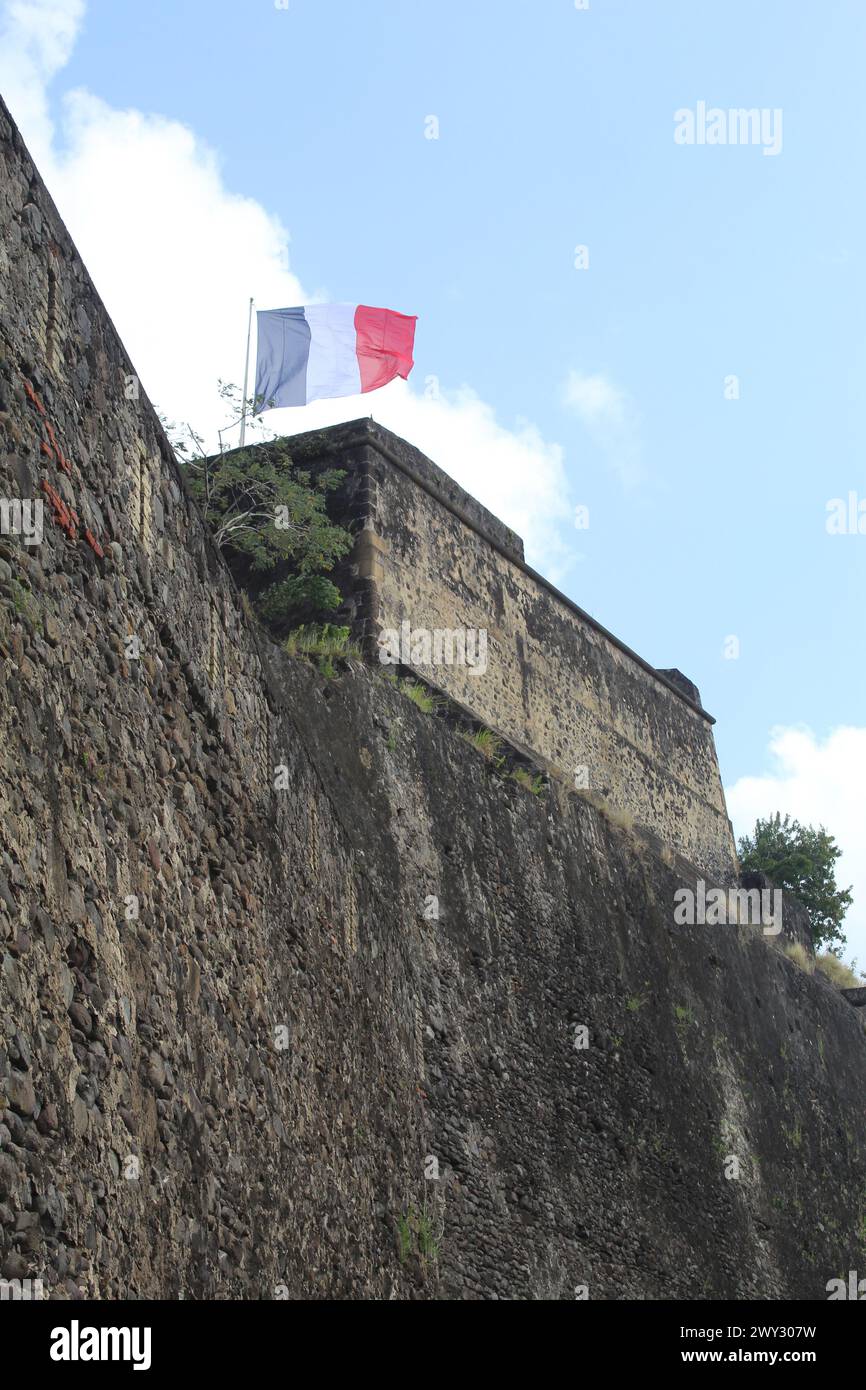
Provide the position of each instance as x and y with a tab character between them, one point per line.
554	681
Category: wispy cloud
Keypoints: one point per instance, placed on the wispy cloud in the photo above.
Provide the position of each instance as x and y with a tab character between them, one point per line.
611	419
36	40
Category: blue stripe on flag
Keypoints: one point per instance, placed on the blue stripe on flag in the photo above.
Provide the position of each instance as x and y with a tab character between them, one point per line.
282	355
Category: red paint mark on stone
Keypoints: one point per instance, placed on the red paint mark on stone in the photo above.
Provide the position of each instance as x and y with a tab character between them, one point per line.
33	396
52	447
93	543
65	517
64	462
68	519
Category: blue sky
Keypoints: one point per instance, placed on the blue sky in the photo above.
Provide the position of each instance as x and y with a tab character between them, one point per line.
556	126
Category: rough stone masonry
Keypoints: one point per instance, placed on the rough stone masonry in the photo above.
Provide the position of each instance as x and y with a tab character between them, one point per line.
240	1057
555	683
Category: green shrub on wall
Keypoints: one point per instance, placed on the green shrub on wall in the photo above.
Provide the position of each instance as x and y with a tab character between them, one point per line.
269	518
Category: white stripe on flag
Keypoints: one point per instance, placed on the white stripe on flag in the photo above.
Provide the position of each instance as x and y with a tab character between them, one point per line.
333	368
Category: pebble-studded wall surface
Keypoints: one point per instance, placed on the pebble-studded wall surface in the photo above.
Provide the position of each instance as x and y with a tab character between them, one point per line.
299	995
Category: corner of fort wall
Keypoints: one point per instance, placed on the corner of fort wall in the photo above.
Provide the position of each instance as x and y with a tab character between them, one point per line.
429	558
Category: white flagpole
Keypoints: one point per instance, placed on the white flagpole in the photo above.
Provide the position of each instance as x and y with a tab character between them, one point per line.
246	378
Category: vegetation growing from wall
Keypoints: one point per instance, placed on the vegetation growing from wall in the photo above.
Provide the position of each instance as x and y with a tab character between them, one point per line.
418	1235
486	742
530	783
325	645
837	972
269	518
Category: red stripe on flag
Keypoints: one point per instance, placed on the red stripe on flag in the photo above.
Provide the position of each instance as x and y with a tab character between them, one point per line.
385	342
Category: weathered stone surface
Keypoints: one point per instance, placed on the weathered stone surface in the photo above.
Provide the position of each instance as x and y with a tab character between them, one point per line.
242	1042
20	1093
553	680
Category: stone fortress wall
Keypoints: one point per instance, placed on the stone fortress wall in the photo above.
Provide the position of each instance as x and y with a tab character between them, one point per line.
232	1038
163	912
555	683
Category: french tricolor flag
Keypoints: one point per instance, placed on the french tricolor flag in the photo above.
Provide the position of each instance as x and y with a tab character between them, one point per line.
320	351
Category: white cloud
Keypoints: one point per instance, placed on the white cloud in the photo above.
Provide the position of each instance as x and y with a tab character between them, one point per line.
176	255
36	40
817	783
611	419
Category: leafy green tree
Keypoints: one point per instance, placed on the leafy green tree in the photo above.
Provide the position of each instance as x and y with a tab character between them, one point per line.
803	860
269	518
